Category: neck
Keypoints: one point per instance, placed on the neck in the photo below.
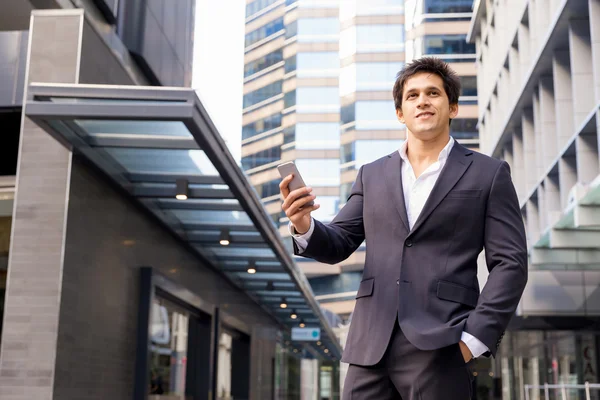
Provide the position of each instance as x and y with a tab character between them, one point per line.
419	150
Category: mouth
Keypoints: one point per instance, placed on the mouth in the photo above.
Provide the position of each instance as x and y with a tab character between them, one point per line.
424	115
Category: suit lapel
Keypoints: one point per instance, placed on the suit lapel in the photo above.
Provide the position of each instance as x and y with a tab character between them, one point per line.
456	165
393	177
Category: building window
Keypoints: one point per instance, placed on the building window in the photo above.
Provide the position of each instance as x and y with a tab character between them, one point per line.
258	65
262	94
261	158
317	135
257	5
317	64
447	44
268	189
380	38
464	128
260	126
447	6
468	85
314	30
319	172
168	349
264	31
362	152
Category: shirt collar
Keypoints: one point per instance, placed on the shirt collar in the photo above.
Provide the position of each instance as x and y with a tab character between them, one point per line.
443	154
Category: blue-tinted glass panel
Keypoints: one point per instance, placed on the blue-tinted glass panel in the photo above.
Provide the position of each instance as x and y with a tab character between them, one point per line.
375	110
317	29
257	5
212	217
377	76
320	172
224	251
171	161
162	128
261	158
264	62
382	38
365	151
322	64
262	94
317	95
468	85
464	128
447	44
260	126
264	31
268	189
328	208
447	6
348	113
317	135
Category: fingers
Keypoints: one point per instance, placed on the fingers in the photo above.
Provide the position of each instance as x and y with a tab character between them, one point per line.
299	205
294	196
296	218
283	186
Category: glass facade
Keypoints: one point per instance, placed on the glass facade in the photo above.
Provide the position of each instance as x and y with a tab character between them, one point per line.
468	85
168	349
262	157
264	62
314	30
371	39
447	6
317	135
361	152
264	32
313	64
319	171
257	5
464	128
368	76
262	94
313	99
261	126
447	44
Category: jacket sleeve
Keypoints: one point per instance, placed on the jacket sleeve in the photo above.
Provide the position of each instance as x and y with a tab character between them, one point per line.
506	257
334	242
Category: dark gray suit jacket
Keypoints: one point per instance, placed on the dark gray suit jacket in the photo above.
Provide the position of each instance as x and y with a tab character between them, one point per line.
427	276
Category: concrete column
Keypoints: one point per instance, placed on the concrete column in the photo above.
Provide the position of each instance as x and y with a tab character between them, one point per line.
553	207
515	70
581	69
563	97
529	149
548	121
567	178
595	42
539	136
29	342
518	170
587	157
524	49
533	221
542	208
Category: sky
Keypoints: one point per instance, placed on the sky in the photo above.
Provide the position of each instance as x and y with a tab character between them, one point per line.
218	69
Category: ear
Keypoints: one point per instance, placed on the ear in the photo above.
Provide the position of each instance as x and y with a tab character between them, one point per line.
400	115
453	110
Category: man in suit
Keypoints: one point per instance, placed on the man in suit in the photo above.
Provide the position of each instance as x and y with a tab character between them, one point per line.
426	212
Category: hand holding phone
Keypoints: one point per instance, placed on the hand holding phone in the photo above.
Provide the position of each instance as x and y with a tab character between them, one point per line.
298	200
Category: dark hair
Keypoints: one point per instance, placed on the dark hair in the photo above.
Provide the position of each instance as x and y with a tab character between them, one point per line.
428	64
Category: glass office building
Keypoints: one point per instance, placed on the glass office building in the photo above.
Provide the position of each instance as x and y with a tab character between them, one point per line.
538	90
136	260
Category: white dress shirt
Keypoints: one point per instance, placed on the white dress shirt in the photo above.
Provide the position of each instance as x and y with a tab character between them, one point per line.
416	191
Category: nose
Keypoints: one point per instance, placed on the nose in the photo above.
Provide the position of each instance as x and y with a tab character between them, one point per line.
423	100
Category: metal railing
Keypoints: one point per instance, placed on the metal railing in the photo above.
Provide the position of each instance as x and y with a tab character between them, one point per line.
563	389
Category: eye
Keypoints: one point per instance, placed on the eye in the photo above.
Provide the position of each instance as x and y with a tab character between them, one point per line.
433	93
411	95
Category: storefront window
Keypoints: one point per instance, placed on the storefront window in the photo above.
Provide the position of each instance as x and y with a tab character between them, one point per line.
168	350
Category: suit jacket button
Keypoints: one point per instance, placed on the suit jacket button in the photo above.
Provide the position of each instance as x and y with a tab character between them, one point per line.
397	281
408	243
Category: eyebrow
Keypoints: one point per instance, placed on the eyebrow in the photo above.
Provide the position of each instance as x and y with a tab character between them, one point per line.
427	88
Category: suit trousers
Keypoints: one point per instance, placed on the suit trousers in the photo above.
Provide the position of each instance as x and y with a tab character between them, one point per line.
407	373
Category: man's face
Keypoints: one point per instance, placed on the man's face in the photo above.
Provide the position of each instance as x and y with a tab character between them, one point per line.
426	111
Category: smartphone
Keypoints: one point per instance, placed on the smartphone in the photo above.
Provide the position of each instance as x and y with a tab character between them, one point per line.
297	182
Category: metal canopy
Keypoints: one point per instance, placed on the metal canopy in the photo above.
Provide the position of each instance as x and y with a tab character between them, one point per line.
159	144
